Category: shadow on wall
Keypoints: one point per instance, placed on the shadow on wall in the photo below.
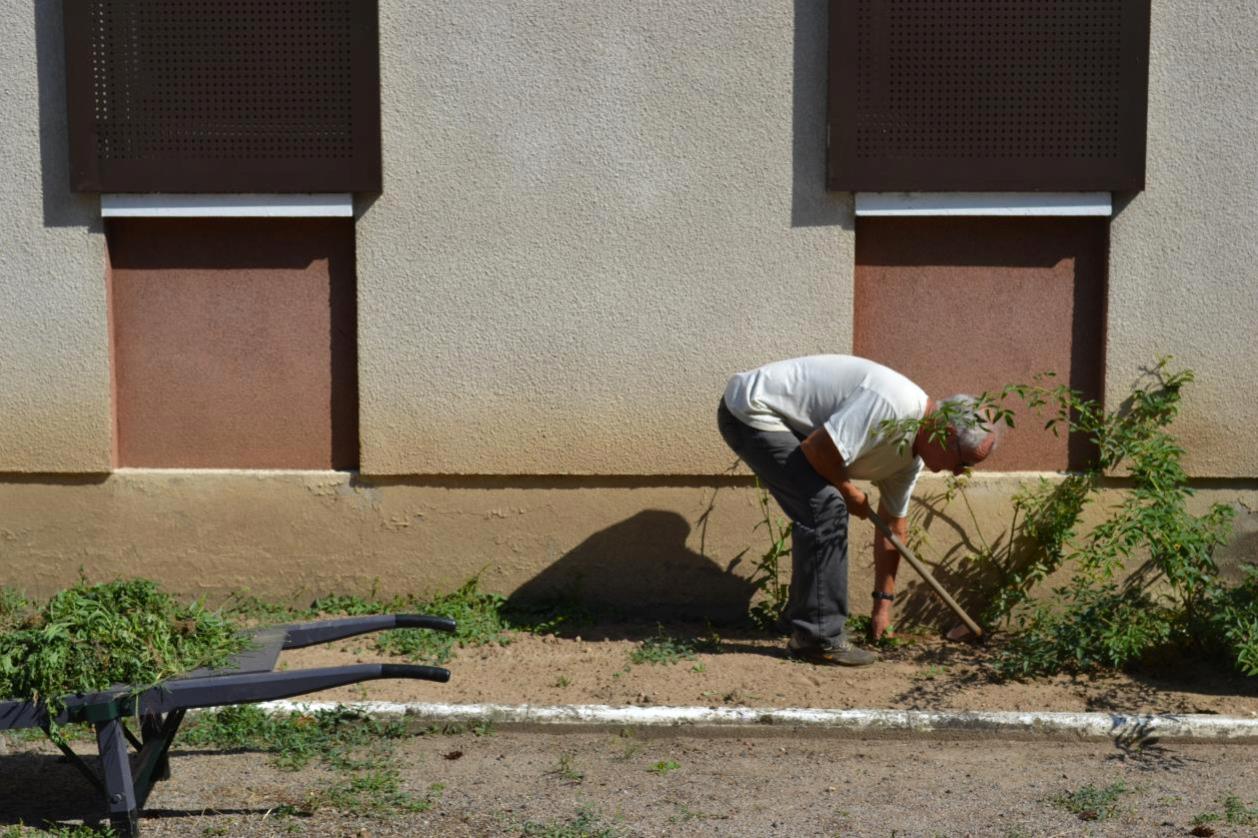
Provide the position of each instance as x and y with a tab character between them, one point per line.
970	582
811	204
62	208
642	568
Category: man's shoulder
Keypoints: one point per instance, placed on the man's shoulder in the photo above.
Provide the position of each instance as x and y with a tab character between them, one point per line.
903	396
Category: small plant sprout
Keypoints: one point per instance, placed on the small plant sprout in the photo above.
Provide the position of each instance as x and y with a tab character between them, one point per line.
566	771
664	767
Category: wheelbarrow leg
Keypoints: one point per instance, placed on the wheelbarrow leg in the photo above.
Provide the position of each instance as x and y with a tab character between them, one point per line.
115	760
150	730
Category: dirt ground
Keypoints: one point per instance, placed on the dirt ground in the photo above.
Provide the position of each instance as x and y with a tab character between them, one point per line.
610	783
747	669
737	782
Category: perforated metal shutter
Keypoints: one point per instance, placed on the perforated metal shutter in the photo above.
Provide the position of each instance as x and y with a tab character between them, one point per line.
223	95
967	95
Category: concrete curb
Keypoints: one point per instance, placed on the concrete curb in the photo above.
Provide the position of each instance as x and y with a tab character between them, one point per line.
1111	726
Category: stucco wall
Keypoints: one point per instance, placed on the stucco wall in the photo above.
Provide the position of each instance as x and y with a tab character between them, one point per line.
1184	253
592	215
676	547
54	355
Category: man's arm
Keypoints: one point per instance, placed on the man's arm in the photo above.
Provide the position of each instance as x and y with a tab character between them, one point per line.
886	563
821	453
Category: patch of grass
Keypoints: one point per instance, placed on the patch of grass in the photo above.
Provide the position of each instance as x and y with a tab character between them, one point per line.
376	792
1091	803
336	737
356	746
587	823
566	770
664	767
477	614
58	831
1235	812
662	649
89	637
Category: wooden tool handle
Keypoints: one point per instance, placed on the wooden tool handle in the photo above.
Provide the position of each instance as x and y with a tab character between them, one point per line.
925	574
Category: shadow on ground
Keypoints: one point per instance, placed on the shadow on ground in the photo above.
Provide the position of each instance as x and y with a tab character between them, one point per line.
46	791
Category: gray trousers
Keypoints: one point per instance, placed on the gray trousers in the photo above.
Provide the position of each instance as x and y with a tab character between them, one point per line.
818	608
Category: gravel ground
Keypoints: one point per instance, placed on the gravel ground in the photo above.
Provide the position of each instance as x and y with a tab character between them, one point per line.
653	783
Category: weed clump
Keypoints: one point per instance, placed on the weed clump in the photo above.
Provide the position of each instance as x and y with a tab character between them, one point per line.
662	649
1091	803
357	747
90	637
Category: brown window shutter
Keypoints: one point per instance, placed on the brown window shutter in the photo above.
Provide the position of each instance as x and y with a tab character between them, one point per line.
978	95
217	96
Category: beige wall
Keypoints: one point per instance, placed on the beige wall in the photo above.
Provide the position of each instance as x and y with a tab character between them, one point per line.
1184	253
593	214
677	548
54	360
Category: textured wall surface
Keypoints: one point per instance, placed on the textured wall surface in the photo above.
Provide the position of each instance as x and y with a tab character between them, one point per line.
54	355
1184	253
592	215
673	549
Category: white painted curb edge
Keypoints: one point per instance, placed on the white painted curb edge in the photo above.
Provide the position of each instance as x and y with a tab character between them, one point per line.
1077	725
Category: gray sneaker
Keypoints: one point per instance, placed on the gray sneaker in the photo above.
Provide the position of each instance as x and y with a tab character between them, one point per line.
836	653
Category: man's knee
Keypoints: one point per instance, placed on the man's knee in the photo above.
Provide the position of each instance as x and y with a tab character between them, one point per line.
829	514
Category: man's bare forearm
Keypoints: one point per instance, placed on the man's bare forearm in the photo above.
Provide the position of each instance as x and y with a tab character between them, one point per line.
886	557
825	459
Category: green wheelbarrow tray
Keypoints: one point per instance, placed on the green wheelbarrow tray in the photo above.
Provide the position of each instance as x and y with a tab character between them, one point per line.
125	779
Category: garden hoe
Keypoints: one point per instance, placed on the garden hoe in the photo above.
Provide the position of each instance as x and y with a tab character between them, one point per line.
975	631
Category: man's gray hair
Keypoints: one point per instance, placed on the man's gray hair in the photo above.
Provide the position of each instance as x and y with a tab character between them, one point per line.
972	426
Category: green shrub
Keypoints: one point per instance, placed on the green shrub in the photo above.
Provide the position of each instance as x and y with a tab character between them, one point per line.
1144	580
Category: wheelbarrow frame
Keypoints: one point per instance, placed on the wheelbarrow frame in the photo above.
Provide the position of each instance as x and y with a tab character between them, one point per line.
125	780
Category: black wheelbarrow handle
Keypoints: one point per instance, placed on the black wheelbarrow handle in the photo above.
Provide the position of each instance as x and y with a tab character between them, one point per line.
325	631
220	690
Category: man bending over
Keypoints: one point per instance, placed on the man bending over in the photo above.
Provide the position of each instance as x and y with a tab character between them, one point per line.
810	426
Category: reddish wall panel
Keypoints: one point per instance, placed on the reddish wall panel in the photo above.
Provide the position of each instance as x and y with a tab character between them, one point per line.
234	343
970	304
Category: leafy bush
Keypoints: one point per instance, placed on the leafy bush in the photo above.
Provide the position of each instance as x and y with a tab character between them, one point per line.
1175	597
1144	579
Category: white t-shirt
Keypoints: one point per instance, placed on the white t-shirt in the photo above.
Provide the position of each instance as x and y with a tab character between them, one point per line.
848	396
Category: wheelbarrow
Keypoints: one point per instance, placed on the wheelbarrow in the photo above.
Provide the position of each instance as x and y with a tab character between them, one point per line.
125	779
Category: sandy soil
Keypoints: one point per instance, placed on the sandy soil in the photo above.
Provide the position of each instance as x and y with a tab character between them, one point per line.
739	784
744	669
